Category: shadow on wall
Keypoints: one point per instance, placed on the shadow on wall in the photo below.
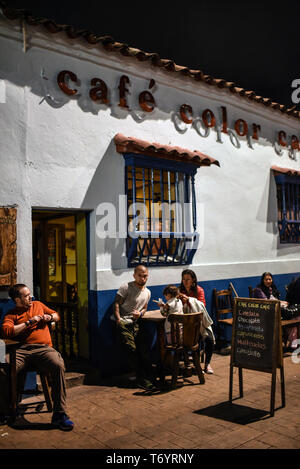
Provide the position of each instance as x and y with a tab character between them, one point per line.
105	198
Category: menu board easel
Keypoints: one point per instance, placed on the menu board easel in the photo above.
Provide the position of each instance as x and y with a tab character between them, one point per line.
256	342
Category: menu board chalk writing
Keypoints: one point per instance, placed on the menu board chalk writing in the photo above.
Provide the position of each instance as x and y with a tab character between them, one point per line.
253	334
256	342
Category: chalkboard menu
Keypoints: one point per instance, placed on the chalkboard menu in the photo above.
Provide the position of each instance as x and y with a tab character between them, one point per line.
254	337
256	342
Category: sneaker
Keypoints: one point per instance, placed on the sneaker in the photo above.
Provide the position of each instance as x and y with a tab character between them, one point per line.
208	370
146	384
62	421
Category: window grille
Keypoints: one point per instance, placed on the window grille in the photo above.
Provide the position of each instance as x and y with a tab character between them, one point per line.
288	199
161	205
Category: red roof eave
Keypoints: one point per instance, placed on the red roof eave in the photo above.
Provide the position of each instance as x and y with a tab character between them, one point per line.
287	171
134	145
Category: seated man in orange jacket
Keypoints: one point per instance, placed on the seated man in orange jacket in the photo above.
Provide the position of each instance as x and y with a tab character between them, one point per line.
28	323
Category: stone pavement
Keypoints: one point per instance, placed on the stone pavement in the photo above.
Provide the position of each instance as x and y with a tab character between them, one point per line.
116	415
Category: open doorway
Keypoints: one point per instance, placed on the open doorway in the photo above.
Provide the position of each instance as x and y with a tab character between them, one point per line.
60	276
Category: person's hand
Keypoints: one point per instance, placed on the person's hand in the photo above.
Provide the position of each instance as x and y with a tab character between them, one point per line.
135	314
118	322
47	317
284	304
36	319
159	302
184	298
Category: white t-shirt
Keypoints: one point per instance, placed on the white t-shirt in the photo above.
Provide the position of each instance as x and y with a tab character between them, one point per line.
134	298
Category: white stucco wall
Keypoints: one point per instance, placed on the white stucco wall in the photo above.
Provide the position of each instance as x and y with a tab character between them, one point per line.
58	152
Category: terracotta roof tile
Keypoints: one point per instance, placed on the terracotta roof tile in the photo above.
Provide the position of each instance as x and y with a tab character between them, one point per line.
110	45
288	171
134	145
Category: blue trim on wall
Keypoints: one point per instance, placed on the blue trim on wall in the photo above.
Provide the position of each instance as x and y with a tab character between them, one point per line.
105	351
5	307
145	161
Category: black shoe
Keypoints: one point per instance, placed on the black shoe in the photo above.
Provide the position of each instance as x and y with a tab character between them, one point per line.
146	384
4	419
62	421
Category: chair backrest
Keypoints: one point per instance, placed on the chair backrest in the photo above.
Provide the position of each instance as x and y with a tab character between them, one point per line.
251	292
185	329
223	300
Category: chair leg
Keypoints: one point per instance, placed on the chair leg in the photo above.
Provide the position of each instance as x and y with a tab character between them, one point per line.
202	352
175	370
198	367
46	390
166	363
186	359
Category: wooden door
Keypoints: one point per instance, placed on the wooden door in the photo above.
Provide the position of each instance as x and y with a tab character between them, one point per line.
8	247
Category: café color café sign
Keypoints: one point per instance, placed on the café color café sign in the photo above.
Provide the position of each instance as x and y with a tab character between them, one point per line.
99	93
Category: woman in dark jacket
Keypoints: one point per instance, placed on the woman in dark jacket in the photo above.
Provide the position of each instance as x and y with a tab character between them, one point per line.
266	289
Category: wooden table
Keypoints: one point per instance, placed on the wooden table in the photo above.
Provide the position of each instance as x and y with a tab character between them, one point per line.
11	347
156	317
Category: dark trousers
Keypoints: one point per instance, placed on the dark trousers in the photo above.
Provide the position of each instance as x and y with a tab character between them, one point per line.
41	358
208	349
135	344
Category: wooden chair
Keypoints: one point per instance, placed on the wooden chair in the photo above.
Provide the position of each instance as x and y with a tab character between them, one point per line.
44	378
185	331
223	302
45	384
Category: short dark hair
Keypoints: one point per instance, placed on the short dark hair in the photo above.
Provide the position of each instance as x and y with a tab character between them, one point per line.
14	291
171	290
137	267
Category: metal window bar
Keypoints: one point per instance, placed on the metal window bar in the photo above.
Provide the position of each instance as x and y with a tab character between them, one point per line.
194	203
288	212
177	200
144	199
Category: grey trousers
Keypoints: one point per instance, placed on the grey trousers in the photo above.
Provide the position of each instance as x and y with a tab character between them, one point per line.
38	358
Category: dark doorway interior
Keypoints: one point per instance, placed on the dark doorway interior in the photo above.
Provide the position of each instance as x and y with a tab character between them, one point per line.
60	275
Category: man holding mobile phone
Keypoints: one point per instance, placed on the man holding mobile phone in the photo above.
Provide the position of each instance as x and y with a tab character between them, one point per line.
28	323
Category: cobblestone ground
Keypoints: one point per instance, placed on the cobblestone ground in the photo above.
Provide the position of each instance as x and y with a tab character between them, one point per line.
193	416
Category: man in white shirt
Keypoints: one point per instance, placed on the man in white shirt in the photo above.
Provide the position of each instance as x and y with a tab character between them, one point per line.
130	305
